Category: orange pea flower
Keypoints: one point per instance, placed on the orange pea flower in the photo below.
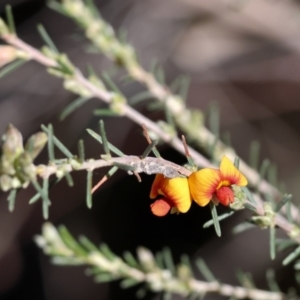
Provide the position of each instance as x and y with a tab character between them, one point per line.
208	183
202	186
174	194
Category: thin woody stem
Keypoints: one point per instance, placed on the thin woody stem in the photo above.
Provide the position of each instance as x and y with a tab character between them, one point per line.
150	165
146	135
103	179
155	277
90	22
140	119
106	96
186	149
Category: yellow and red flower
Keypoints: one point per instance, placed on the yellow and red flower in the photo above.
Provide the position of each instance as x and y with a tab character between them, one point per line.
211	183
174	193
202	186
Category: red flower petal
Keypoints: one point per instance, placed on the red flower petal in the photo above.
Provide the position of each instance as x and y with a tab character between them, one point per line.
225	195
160	207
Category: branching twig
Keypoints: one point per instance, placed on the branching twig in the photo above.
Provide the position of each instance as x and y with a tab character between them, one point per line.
148	165
103	37
107	97
66	250
135	116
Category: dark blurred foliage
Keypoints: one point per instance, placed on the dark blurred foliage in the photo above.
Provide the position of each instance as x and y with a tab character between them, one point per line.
240	54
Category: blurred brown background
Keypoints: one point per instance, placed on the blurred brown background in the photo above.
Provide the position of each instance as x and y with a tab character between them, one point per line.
241	54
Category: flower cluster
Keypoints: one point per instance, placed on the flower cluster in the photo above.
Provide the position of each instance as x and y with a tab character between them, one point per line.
176	194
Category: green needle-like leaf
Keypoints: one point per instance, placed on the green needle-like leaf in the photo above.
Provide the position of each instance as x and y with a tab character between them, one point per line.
289	211
184	86
11	200
81	151
58	144
35	198
58	8
168	260
69	179
283	244
99	139
124	167
272	174
50	143
214	214
93	8
42	31
205	271
107	252
12	67
226	137
264	168
128	282
273	285
160	75
104	277
186	261
214	119
237	162
254	154
291	256
145	95
242	227
220	218
272	242
87	244
169	117
130	259
104	138
250	206
10	19
149	149
286	198
46	201
248	195
166	296
245	279
105	112
44	195
110	83
73	106
69	240
89	189
159	259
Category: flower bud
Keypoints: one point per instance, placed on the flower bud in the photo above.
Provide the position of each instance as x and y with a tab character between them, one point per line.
13	143
5	182
35	144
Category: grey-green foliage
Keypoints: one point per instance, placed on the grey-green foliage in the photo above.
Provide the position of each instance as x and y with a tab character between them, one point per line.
16	164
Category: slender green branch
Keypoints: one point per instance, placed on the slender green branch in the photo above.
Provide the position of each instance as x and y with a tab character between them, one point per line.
98	90
102	35
65	250
108	97
148	165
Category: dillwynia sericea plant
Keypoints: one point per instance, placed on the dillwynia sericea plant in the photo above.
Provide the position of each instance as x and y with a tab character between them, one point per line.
224	179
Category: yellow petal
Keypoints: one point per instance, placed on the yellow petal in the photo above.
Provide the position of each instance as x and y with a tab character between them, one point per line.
177	191
156	185
231	174
203	184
